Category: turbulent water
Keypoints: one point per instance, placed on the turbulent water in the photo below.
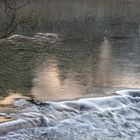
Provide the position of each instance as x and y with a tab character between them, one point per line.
102	118
105	118
70	52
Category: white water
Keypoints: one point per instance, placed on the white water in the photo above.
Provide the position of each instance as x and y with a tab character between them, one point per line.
106	118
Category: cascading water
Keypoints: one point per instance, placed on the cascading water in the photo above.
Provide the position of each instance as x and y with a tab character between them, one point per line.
114	117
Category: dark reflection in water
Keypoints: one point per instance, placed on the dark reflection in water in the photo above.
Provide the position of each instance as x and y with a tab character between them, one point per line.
99	51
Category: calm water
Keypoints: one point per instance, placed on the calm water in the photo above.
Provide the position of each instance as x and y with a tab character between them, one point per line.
99	52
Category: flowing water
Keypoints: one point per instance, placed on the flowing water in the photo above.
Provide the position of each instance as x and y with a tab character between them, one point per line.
92	51
102	118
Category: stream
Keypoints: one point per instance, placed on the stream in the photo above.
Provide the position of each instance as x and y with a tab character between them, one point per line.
73	72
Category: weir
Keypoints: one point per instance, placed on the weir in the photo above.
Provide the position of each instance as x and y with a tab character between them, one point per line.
35	114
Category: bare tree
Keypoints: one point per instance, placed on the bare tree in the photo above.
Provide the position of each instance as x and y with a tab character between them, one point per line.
11	16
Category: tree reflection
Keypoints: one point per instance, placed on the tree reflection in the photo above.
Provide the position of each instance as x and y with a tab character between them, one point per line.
12	16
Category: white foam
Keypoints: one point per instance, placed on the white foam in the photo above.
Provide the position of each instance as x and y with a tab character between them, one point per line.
114	117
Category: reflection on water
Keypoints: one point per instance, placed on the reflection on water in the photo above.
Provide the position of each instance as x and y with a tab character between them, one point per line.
99	52
7	105
48	85
9	100
104	63
4	119
84	73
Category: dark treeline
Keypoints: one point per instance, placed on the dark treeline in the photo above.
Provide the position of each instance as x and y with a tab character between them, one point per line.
51	15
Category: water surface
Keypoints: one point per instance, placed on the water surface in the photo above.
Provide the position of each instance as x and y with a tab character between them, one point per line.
98	53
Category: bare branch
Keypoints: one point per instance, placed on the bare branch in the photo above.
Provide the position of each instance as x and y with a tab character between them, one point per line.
12	17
